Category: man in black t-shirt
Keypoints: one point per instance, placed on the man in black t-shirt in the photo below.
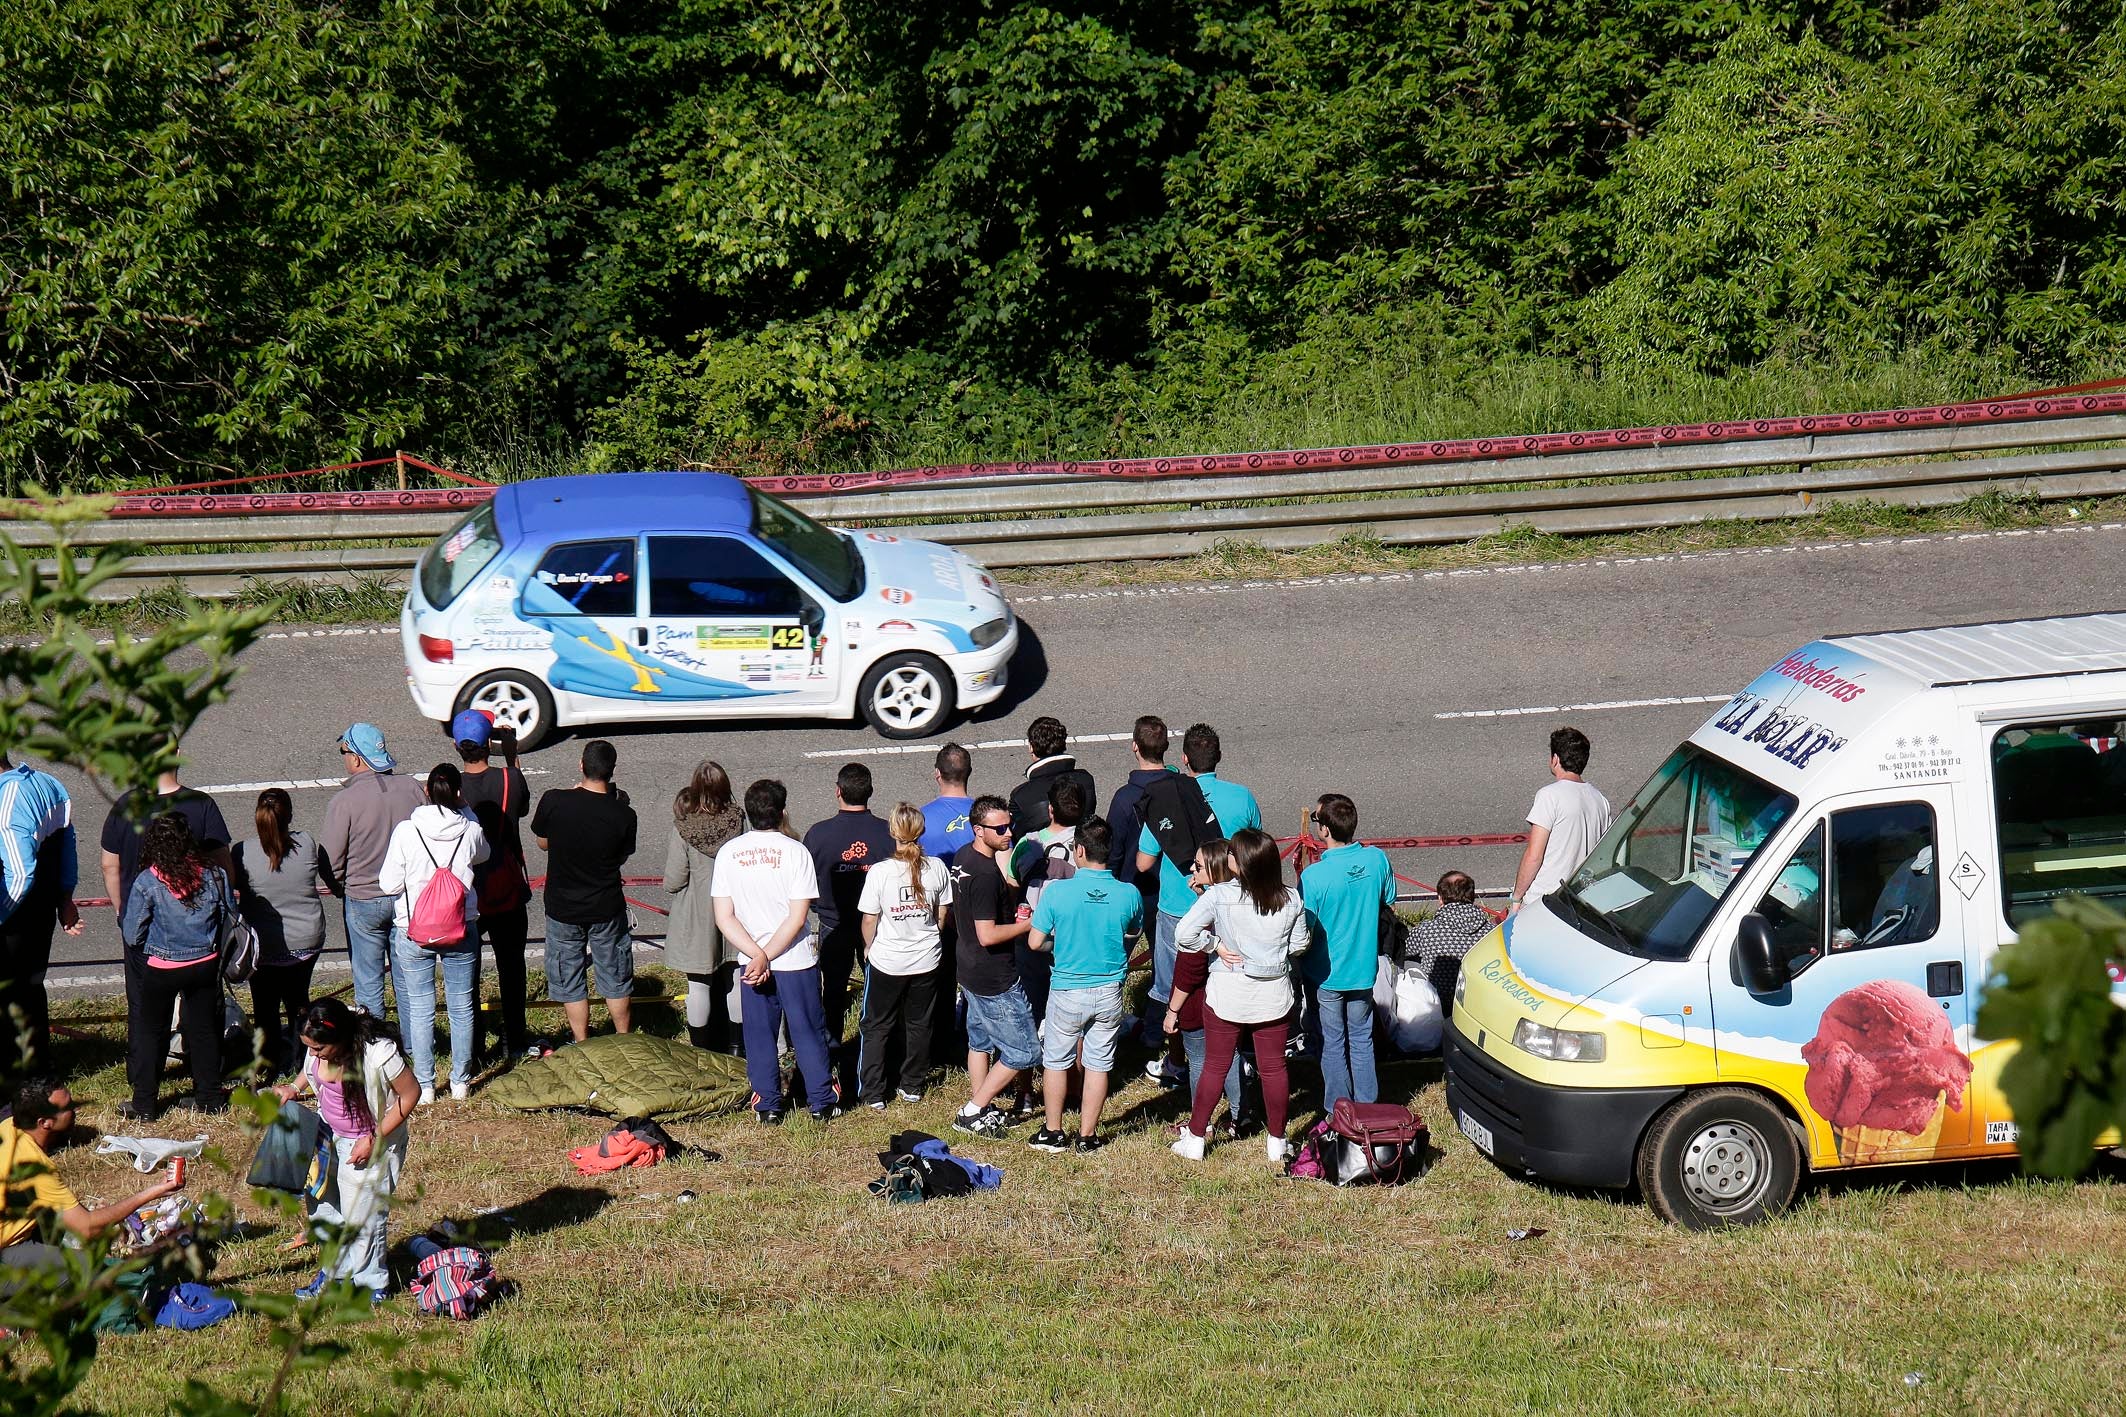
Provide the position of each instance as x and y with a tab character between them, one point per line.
130	817
991	921
499	797
588	833
843	848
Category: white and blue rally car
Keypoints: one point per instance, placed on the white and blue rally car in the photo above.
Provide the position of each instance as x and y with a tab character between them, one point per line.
661	596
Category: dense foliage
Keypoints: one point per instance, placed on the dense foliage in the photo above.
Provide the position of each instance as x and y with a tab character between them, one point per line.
244	233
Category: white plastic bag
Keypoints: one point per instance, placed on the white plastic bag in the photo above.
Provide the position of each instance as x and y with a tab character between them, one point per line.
1407	1008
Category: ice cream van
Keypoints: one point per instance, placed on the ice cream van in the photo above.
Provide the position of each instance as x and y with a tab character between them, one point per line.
1772	962
660	596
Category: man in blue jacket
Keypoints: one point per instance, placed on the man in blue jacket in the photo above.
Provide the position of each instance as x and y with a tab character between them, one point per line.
1125	815
38	869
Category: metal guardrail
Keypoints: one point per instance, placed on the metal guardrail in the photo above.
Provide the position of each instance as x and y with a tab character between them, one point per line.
1067	514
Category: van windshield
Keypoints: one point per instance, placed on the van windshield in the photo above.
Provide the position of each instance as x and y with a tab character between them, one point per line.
820	552
459	556
1651	884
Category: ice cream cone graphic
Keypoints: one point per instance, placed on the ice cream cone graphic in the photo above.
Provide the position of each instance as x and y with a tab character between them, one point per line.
1884	1070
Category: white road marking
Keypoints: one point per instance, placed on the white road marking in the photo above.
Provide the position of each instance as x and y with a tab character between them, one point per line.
900	748
231	789
1589	708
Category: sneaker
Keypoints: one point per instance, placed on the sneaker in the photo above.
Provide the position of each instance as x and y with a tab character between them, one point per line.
537	1048
377	1298
132	1113
989	1123
428	1097
769	1116
906	1096
1278	1148
876	1106
828	1114
1189	1147
1156	1069
460	1091
1025	1108
1050	1140
314	1288
1082	1145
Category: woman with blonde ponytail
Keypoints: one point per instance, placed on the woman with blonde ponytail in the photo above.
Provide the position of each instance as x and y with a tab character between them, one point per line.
903	905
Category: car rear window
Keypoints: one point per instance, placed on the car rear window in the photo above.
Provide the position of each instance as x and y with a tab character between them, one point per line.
459	556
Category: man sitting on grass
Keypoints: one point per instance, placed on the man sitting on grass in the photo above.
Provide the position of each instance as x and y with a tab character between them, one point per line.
38	1201
1087	920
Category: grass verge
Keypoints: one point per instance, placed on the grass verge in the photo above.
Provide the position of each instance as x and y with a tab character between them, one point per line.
1129	1281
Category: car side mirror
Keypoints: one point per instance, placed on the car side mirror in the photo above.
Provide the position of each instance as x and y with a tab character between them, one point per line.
1762	966
810	616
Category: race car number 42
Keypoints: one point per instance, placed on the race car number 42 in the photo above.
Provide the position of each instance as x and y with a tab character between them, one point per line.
1476	1131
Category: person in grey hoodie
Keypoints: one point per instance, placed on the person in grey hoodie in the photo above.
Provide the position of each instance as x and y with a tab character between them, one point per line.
359	821
441	835
1258	925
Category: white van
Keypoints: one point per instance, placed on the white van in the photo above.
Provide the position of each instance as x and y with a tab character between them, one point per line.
1772	962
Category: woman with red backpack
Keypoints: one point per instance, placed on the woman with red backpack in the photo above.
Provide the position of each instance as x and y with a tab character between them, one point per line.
428	871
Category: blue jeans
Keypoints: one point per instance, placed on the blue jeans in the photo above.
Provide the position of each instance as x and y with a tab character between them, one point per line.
1193	1044
415	970
369	950
1164	928
792	996
1003	1024
1347	1047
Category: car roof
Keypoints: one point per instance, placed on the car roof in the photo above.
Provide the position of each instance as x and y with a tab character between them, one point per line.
1999	650
625	503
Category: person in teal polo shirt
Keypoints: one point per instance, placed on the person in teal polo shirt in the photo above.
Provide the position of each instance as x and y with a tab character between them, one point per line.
1234	807
1087	920
1345	891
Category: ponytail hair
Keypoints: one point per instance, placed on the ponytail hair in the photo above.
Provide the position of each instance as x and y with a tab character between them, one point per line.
274	812
907	826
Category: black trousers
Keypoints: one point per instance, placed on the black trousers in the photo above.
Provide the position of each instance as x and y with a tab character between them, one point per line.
896	1003
839	949
1035	966
25	955
196	991
505	934
280	993
948	1041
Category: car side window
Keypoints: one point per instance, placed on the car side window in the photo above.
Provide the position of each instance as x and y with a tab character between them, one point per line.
593	577
1885	877
706	577
2059	803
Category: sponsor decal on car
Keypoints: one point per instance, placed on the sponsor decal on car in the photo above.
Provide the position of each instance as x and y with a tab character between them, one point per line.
894	595
896	627
882	538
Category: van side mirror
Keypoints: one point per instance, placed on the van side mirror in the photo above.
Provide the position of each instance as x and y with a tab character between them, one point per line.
810	616
1762	966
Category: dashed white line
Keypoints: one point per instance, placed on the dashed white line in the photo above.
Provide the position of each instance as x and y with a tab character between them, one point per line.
897	749
1589	708
220	789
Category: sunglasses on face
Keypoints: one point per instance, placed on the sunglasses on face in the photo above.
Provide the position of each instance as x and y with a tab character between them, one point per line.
1002	827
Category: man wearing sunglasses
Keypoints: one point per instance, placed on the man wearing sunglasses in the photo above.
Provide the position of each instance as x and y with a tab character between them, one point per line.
38	1202
990	923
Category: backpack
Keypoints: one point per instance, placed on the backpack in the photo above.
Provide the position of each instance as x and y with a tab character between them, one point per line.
456	1283
1179	818
437	920
239	944
1057	861
503	884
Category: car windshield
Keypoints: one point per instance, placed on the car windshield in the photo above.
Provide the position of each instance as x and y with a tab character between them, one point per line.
459	556
1651	884
821	553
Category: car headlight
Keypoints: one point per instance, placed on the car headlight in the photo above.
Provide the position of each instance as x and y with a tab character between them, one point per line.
1560	1045
1461	986
990	632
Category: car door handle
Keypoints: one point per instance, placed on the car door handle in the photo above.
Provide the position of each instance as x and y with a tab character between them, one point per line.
642	637
1945	978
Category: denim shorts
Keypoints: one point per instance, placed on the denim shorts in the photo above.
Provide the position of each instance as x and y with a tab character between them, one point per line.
609	946
1002	1024
1092	1015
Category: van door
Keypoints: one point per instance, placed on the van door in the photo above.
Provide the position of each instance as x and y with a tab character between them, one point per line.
726	623
1871	1035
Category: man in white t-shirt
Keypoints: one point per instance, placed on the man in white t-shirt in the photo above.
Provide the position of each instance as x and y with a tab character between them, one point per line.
765	884
1568	818
903	908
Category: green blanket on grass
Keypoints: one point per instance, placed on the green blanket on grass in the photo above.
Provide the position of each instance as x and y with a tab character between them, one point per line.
626	1075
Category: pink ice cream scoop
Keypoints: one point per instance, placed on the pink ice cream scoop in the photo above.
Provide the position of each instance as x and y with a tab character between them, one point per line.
1882	1057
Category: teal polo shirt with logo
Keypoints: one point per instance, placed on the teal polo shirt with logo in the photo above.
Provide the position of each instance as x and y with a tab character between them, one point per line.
1233	806
1344	892
1089	919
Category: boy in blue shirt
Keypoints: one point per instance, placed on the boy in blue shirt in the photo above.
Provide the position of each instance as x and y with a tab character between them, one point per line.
1345	891
1086	920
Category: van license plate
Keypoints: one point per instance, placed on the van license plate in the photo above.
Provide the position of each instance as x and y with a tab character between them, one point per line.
1476	1131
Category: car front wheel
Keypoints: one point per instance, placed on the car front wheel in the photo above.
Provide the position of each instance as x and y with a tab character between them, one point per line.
907	696
1718	1157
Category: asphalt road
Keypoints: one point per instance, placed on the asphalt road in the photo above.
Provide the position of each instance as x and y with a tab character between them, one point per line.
1412	693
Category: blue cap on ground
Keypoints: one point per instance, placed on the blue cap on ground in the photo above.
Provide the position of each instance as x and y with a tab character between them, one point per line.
366	741
473	726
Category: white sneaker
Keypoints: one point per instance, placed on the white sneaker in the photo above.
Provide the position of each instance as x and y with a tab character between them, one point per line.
1189	1147
1278	1148
428	1096
459	1091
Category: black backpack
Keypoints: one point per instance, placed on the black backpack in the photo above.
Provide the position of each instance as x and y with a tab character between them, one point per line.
1179	818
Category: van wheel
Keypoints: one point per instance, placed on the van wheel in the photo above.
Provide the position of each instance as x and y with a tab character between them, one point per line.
1722	1156
907	696
516	700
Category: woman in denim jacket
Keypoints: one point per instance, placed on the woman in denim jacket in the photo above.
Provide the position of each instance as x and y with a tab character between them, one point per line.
1257	925
173	923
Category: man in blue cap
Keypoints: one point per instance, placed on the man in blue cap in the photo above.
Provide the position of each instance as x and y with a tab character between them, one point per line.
358	824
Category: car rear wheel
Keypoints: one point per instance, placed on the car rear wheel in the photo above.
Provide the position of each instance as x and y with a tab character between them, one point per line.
1718	1157
516	700
907	696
